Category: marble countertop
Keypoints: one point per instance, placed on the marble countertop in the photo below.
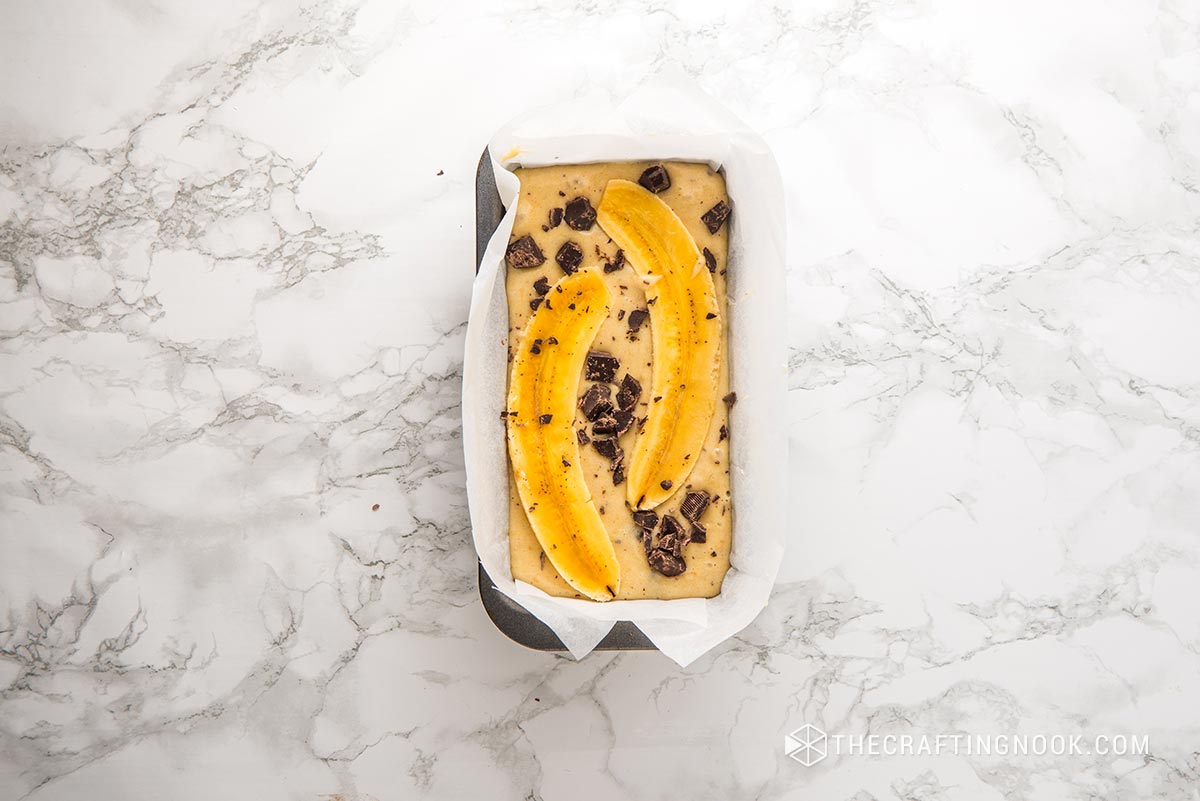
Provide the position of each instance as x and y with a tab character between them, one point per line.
236	244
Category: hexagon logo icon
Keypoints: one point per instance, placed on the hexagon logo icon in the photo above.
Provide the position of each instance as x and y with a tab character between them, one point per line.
807	745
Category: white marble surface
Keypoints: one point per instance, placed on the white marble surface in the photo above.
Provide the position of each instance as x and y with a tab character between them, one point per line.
233	287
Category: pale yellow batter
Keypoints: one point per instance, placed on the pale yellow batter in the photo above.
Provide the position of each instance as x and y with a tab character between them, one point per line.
695	188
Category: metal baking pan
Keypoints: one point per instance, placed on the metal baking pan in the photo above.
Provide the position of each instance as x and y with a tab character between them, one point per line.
509	616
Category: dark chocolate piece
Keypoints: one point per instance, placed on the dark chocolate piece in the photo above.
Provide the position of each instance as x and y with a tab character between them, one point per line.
694	504
666	563
665	483
617	263
604	427
533	304
730	399
601	366
656	179
555	217
618	472
542	285
524	252
624	421
710	316
636	318
580	215
698	533
608	448
627	396
545	418
715	217
645	519
582	436
596	402
724	435
569	257
671	534
710	260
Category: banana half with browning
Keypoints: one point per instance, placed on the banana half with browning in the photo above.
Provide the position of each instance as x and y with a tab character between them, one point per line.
685	320
542	444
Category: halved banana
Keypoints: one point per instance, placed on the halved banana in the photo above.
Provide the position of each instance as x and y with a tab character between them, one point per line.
685	332
542	392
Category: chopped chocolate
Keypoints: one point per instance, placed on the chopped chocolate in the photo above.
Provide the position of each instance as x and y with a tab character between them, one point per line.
624	421
656	179
670	534
694	504
710	316
551	340
630	391
545	418
605	427
730	399
621	315
617	263
608	448
665	483
710	260
569	257
666	563
618	472
555	217
535	348
645	519
715	217
601	366
580	215
524	252
698	533
533	304
582	436
565	462
724	435
541	286
636	318
596	402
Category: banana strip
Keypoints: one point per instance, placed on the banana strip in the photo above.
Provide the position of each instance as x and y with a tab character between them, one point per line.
685	324
542	392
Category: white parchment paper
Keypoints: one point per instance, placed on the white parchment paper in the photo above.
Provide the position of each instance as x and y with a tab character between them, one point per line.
667	117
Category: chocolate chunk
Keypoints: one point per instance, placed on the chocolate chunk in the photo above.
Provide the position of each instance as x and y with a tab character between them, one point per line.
582	436
647	540
693	506
541	286
535	348
710	260
665	483
670	534
580	215
631	390
618	472
636	318
724	435
545	418
715	217
666	563
605	427
533	304
645	519
698	533
617	263
555	217
524	252
656	179
730	399
624	421
608	448
569	257
601	366
596	402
